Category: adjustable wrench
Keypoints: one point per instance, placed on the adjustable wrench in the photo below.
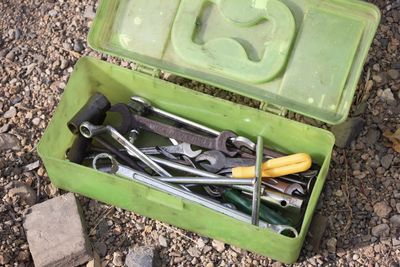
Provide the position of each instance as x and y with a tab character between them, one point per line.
188	196
131	121
237	141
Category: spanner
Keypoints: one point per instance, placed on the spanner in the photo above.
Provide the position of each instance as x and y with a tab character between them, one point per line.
188	196
281	186
237	141
214	161
131	121
180	149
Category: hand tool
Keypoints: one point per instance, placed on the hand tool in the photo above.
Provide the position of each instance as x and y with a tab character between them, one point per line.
94	111
144	105
255	205
180	149
277	167
188	196
281	200
129	172
133	121
287	188
214	161
307	183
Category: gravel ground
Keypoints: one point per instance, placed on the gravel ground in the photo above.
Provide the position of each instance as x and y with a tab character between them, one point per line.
40	42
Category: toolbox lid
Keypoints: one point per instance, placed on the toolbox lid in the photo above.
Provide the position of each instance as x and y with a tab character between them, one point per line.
304	55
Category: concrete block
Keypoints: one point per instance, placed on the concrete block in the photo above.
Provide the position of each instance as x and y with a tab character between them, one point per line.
56	233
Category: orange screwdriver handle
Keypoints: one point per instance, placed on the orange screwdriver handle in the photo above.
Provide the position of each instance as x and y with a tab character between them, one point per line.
277	167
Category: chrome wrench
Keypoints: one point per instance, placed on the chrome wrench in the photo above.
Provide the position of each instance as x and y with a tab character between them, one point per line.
162	186
180	149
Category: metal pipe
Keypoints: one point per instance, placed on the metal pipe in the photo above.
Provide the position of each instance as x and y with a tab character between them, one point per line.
255	215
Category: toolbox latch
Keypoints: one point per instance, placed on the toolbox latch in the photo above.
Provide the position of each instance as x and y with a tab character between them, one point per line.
272	108
154	72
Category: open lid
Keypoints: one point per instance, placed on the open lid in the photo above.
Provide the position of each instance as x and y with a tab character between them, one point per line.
304	55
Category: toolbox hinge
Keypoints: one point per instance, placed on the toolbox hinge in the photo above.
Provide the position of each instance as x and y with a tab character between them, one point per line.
272	108
154	72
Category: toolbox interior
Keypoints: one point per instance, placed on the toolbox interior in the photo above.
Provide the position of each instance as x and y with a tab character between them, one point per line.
118	84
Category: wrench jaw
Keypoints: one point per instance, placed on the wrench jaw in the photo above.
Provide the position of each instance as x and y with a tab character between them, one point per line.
212	161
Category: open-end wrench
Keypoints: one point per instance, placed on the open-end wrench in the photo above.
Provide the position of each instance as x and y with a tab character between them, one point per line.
131	121
180	149
214	161
237	141
188	196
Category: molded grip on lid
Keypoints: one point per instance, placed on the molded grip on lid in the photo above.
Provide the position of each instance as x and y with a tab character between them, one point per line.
277	167
231	51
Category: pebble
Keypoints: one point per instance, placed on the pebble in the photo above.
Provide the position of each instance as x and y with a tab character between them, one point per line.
395	221
356	257
53	13
394	74
218	245
210	264
117	259
200	243
331	245
194	252
142	257
9	141
50	190
101	248
10	113
386	161
78	46
162	241
4	259
381	230
372	136
382	209
89	12
36	121
10	56
32	166
25	192
388	96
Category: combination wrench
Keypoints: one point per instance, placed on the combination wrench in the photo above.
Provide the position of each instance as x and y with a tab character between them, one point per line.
188	196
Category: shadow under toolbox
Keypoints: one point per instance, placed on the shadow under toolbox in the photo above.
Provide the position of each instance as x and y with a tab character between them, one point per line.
303	55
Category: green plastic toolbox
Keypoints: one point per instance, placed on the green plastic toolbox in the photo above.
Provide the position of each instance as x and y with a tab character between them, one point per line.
302	55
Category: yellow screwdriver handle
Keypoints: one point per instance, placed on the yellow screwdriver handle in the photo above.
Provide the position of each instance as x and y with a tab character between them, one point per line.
277	167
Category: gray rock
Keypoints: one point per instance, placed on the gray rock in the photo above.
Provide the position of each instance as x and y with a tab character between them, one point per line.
162	241
67	46
9	141
36	121
386	161
10	55
331	245
32	166
101	248
346	132
53	13
56	233
10	113
26	193
396	242
89	12
382	209
142	257
395	221
381	230
394	74
372	136
218	245
388	96
78	46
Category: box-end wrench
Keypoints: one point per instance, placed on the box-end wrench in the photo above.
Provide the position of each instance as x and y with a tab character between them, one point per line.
180	149
215	161
162	186
132	121
238	141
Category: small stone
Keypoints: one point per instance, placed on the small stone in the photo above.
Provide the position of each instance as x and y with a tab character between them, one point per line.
162	241
101	248
23	256
67	46
372	136
346	132
36	121
50	190
377	78
26	193
4	259
218	245
8	141
381	230
89	12
394	74
396	242
96	262
356	257
388	96
277	264
395	221
10	113
78	46
53	13
32	166
194	252
386	161
142	257
207	249
382	209
210	264
200	243
331	245
10	56
398	207
117	259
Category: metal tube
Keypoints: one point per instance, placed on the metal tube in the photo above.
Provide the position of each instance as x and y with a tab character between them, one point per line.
255	215
206	181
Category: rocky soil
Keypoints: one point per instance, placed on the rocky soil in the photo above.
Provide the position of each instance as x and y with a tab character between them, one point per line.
40	41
